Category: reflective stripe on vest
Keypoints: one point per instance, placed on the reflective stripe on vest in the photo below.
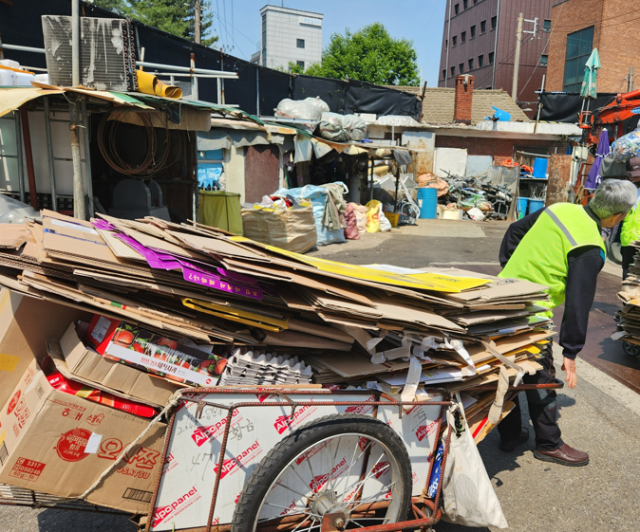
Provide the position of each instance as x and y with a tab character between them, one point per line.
541	256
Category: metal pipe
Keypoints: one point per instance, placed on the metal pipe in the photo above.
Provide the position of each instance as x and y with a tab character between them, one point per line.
28	156
52	173
87	156
194	81
79	210
192	70
219	92
16	117
495	48
257	92
19	48
75	43
446	68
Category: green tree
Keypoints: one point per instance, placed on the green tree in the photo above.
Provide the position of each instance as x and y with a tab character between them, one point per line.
292	68
173	16
371	55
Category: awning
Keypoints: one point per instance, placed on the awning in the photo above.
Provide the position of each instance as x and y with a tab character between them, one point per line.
223	138
13	98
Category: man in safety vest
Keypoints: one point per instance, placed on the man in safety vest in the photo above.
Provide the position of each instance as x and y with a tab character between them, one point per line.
630	233
560	247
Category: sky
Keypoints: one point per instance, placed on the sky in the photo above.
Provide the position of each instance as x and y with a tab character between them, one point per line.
420	21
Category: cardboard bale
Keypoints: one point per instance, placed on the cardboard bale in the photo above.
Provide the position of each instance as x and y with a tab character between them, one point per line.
293	230
60	444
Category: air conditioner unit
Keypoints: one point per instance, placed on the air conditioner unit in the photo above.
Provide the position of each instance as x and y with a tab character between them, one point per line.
107	52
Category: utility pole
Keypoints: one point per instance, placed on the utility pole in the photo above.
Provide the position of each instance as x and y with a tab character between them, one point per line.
630	80
79	210
516	64
197	21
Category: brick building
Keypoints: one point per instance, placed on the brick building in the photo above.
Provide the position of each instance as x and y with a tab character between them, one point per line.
578	26
479	38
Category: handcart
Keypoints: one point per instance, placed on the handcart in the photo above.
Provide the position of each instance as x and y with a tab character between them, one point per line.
300	460
294	460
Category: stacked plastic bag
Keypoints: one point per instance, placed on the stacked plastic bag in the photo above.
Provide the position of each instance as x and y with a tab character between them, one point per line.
626	147
341	128
307	109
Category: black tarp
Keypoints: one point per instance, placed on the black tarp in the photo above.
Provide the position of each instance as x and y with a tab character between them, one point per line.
20	23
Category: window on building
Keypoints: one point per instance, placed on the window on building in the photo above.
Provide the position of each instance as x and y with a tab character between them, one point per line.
300	64
480	61
483	26
444	73
446	44
455	40
579	45
494	22
453	71
491	58
544	59
470	64
463	37
300	43
475	2
465	4
473	32
461	68
547	25
456	8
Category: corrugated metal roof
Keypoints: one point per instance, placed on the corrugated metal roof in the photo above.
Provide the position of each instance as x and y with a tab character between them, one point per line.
437	106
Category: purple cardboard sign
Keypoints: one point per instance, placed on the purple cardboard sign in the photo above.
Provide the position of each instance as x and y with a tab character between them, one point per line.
212	281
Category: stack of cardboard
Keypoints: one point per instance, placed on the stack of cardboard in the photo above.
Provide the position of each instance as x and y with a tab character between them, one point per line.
152	306
629	314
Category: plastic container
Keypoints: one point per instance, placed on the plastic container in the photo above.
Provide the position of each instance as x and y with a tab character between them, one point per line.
7	78
23	79
540	168
522	204
428	203
501	115
393	217
535	205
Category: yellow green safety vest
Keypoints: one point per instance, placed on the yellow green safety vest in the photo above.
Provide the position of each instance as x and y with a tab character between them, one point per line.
631	226
542	255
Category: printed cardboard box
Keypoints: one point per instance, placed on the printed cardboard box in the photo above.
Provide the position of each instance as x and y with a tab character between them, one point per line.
25	326
107	373
192	461
60	444
148	351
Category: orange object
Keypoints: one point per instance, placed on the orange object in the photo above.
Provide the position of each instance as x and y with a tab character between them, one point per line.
510	164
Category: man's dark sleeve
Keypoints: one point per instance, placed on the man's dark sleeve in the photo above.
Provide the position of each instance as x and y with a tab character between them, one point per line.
515	234
584	266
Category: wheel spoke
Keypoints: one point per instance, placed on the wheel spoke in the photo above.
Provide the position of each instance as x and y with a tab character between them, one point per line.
346	477
292	490
368	499
304	511
331	479
361	482
313	525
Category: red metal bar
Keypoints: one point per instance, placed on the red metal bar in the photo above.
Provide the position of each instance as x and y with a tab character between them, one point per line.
28	155
216	484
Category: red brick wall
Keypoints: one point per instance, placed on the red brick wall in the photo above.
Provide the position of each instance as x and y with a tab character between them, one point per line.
463	99
616	35
493	146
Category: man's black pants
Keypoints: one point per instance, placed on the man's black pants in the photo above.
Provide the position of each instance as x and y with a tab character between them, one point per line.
543	408
627	253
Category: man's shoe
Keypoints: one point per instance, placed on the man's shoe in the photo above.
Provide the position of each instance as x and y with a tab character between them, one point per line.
565	455
509	446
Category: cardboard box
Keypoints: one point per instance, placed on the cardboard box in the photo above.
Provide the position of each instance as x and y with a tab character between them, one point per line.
60	444
25	326
103	373
151	352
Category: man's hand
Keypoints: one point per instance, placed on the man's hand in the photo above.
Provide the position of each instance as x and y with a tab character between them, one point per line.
569	366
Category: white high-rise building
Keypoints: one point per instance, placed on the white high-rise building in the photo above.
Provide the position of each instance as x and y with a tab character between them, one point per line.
289	35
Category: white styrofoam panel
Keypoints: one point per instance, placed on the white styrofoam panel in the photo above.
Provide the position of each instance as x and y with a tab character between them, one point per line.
452	160
478	164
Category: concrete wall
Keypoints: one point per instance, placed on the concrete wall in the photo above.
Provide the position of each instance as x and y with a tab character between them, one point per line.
284	27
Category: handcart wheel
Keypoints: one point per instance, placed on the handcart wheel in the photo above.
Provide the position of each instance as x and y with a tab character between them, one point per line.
632	350
353	470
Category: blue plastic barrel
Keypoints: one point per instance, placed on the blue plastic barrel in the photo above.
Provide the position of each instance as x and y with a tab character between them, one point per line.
540	168
535	205
522	206
428	203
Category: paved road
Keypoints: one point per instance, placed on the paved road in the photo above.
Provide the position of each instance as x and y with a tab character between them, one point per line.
600	416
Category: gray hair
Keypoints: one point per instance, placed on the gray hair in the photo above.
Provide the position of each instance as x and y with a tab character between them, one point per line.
612	197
